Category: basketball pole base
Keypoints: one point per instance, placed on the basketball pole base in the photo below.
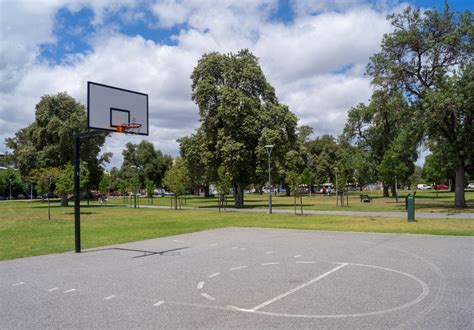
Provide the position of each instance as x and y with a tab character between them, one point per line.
77	194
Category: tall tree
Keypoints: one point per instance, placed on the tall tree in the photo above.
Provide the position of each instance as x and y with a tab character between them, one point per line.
423	56
144	161
176	179
197	157
48	141
383	129
239	115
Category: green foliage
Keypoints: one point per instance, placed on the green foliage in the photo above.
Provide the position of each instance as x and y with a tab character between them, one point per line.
123	187
307	177
10	179
293	180
148	163
48	141
239	115
45	179
150	187
383	130
428	57
104	184
65	181
176	178
224	182
198	159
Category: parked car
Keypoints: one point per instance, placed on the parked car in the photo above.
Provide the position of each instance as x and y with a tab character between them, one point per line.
50	195
441	187
470	186
423	186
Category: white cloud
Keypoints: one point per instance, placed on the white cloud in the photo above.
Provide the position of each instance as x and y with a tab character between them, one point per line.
316	63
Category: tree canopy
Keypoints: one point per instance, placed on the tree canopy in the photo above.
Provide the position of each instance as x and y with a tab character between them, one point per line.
48	141
428	57
239	114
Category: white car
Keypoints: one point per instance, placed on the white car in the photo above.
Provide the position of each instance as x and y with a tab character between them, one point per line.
423	186
470	186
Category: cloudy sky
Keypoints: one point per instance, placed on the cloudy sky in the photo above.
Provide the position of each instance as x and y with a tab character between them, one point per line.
313	52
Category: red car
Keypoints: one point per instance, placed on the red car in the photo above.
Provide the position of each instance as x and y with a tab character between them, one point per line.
441	186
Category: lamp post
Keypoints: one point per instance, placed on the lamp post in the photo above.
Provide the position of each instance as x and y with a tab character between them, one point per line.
269	148
49	202
335	187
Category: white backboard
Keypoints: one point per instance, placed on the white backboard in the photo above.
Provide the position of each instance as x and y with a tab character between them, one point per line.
109	107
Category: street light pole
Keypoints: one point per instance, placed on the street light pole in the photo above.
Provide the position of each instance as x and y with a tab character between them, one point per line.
269	148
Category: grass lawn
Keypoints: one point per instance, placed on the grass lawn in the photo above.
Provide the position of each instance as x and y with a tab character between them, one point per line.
426	201
26	231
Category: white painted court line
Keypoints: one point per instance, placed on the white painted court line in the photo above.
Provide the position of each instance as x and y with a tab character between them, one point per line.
70	290
270	263
298	256
205	295
243	249
178	241
161	302
240	267
235	247
268	302
214	275
110	297
19	283
305	262
200	285
269	252
53	289
215	244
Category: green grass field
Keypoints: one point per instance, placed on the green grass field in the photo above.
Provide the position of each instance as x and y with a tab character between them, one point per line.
26	231
426	201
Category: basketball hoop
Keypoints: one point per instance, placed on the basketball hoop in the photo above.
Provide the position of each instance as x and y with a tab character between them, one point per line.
130	128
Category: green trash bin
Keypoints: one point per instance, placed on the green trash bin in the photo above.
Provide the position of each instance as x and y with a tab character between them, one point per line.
410	205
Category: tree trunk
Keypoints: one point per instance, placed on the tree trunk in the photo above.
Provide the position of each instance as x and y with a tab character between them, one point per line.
206	191
238	195
287	191
385	191
64	201
459	198
392	190
294	195
452	184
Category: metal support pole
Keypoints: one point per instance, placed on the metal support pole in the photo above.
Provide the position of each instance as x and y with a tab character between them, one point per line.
269	148
77	196
269	186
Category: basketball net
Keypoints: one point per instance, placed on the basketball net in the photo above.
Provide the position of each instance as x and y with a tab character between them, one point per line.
129	128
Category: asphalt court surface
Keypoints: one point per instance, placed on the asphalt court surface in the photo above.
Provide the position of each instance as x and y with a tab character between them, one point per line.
247	278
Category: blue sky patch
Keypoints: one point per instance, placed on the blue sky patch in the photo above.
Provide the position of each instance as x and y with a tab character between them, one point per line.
71	31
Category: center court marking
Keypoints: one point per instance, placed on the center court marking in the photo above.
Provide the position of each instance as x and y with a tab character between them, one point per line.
268	302
423	295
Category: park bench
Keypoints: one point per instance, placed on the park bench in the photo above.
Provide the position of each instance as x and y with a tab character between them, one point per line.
365	198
